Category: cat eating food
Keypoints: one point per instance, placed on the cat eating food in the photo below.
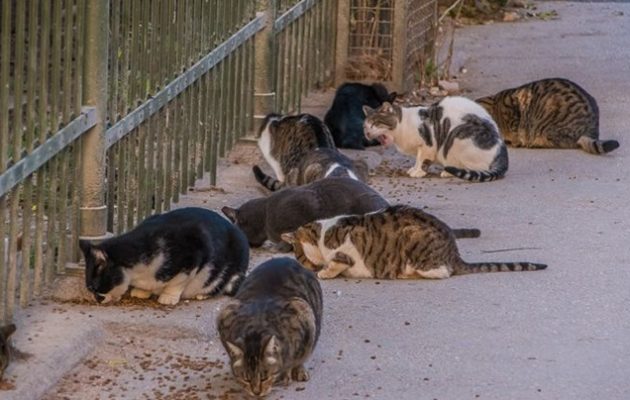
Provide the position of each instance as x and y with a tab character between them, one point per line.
399	242
345	117
549	113
455	132
317	164
284	211
272	325
186	253
285	140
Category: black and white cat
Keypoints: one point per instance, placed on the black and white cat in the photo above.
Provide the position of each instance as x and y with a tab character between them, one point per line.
345	116
455	133
185	253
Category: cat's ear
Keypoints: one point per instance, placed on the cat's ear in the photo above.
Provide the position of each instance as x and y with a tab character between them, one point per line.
231	213
7	331
235	352
367	110
289	237
388	107
272	351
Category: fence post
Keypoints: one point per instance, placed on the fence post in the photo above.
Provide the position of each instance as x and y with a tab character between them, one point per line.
93	211
264	94
341	47
399	45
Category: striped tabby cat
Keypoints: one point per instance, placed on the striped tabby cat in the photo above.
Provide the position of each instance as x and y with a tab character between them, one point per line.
285	141
551	113
317	164
399	242
272	326
455	133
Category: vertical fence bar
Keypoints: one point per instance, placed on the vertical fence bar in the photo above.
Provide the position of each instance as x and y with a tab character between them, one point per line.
93	211
264	96
5	51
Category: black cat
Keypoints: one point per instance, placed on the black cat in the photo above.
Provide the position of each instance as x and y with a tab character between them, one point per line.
185	253
345	117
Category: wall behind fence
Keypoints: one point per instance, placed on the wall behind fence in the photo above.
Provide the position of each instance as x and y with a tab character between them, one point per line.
179	91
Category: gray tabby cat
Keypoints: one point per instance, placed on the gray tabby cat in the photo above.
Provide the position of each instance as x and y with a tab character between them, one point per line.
285	140
399	242
5	348
271	327
315	165
286	210
455	133
551	113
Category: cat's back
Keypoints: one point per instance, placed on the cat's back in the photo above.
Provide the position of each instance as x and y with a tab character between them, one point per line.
278	280
457	108
554	93
348	196
185	219
304	131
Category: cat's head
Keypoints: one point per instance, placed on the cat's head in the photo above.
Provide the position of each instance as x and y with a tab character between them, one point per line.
5	332
306	240
250	218
380	123
106	280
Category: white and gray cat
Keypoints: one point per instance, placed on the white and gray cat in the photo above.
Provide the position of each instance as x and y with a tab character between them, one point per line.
455	133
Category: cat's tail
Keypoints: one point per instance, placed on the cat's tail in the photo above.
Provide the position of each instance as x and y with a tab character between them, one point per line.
474	268
267	181
596	146
476	176
466	233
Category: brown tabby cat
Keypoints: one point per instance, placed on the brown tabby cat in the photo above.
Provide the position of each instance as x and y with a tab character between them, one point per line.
285	140
399	242
551	113
317	164
272	326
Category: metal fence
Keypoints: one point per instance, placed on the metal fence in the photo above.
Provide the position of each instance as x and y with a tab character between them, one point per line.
387	40
109	110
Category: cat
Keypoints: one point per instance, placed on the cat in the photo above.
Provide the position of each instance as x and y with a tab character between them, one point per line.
551	113
316	164
272	325
345	116
267	218
455	132
5	347
285	140
399	242
186	253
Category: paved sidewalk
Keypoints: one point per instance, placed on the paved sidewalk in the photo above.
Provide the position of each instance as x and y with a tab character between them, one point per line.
563	333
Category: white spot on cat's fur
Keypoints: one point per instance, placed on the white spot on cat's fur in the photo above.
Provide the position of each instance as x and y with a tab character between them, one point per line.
264	144
334	166
457	107
229	287
441	272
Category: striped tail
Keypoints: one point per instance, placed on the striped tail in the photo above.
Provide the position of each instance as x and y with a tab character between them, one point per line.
596	146
474	268
475	176
466	233
267	181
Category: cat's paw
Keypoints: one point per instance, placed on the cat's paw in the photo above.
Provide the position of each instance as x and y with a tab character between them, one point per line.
202	297
325	274
445	174
139	293
168	299
283	379
416	172
300	374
